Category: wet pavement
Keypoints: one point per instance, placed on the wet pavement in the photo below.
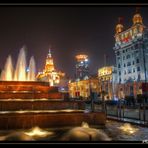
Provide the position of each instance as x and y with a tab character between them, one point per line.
120	131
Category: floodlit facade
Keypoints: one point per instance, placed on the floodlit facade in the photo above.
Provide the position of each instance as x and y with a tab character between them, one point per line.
131	50
83	88
107	81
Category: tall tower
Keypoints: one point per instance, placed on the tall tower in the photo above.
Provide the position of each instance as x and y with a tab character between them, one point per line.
131	50
82	69
50	74
49	65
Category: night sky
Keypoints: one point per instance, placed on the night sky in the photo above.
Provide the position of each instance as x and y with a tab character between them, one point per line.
67	30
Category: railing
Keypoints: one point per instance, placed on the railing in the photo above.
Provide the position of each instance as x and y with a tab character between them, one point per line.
137	113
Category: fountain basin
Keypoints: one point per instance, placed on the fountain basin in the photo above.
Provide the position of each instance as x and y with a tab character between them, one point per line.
28	90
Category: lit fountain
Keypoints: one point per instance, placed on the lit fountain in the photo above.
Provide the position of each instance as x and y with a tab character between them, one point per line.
20	71
7	73
26	103
85	133
38	132
31	73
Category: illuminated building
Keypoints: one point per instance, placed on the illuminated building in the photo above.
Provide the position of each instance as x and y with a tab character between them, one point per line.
82	70
83	88
107	79
131	50
49	73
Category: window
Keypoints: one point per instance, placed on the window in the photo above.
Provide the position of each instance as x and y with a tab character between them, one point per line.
138	68
118	53
119	73
137	60
124	65
119	80
119	66
125	72
128	56
128	63
129	70
136	46
133	62
123	51
133	69
123	57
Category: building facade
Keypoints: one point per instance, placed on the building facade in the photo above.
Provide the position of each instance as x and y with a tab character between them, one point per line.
50	74
83	88
107	81
131	50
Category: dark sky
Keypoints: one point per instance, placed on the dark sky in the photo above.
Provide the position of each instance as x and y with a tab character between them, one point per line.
68	30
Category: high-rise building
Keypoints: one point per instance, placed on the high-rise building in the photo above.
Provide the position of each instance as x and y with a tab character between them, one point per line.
131	50
50	74
82	69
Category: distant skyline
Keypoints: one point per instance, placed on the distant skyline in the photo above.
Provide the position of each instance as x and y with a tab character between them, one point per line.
67	30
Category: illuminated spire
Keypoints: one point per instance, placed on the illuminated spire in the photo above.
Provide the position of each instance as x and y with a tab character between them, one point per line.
119	26
137	19
49	53
49	66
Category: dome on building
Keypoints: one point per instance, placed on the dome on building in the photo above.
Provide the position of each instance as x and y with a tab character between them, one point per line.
137	19
119	28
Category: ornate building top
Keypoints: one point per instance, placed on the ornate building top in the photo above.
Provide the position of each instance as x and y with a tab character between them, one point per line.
122	38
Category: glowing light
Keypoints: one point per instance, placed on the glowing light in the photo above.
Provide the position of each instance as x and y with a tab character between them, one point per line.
36	131
127	128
